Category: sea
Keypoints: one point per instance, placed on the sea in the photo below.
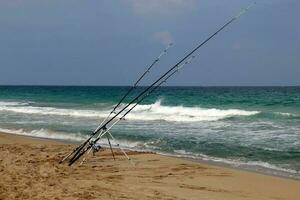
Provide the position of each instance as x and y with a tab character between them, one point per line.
253	128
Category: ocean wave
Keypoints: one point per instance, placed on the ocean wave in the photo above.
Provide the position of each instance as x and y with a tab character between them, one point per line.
288	115
157	111
278	115
235	162
146	146
44	133
12	103
269	166
149	112
49	134
51	111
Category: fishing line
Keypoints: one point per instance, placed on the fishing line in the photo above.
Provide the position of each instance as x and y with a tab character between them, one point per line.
167	74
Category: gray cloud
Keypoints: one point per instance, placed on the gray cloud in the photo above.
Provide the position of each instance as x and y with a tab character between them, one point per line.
163	37
161	7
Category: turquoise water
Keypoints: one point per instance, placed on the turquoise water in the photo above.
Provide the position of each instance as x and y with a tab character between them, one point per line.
250	127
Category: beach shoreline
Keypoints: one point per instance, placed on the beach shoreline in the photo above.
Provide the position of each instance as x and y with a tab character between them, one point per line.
255	169
29	164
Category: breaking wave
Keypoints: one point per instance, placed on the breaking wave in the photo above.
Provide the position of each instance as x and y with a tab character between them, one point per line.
52	111
236	162
44	133
12	103
184	114
144	146
287	115
55	135
149	112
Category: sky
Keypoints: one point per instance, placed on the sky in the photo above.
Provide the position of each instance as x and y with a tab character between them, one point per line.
111	42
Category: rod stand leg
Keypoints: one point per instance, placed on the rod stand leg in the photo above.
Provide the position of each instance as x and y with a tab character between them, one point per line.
125	154
111	149
85	157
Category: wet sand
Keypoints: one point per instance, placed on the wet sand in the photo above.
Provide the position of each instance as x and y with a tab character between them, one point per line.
30	169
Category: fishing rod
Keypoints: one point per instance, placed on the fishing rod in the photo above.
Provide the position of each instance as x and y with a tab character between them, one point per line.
77	149
157	59
164	52
107	131
164	75
151	91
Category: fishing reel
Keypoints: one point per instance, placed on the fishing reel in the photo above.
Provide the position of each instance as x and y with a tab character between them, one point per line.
95	148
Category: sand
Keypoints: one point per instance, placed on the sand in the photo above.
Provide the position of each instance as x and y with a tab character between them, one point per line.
30	169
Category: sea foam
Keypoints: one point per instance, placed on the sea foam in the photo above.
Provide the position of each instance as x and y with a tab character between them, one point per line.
157	111
235	162
44	133
49	134
149	112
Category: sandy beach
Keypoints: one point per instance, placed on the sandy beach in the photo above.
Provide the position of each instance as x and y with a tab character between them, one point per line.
30	169
149	100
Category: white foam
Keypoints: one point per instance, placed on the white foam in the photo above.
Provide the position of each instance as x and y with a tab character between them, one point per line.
150	112
52	111
12	103
125	144
236	163
286	114
270	166
44	133
183	114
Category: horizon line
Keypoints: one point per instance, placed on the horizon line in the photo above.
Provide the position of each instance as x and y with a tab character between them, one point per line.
58	85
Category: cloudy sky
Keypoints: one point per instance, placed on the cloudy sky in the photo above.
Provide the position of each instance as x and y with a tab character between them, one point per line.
105	42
